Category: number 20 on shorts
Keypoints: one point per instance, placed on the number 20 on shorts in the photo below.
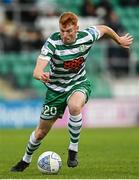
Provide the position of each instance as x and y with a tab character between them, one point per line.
50	111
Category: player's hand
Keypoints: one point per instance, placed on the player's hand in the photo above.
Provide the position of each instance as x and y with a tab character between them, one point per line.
126	40
45	77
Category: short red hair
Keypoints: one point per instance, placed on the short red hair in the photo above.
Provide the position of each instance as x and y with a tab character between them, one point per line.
68	18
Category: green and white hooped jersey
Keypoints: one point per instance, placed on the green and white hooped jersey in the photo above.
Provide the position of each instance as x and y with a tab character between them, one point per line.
67	62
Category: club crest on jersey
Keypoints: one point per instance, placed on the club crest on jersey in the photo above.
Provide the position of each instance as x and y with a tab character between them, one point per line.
82	48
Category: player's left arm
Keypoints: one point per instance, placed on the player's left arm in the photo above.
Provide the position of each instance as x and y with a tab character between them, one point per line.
124	41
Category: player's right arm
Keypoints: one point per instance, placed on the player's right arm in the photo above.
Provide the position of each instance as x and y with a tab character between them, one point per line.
39	73
45	56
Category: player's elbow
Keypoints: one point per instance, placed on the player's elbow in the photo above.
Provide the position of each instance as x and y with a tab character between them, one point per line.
104	29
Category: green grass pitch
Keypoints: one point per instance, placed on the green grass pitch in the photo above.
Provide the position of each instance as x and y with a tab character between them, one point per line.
109	153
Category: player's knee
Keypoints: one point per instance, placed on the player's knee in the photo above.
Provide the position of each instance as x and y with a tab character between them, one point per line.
40	134
75	109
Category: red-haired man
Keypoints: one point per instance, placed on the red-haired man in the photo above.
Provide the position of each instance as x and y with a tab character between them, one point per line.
66	51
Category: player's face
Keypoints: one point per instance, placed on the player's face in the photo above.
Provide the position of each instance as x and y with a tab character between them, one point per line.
68	33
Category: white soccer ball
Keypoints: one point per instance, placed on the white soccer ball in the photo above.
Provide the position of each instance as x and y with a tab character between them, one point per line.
49	162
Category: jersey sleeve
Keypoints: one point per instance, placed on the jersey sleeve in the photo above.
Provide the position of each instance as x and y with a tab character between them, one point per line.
94	32
47	50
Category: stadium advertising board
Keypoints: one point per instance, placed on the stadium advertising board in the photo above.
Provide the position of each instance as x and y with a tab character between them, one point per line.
19	114
118	112
97	113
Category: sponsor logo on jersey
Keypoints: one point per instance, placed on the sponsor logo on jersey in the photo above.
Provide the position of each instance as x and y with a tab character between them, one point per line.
74	64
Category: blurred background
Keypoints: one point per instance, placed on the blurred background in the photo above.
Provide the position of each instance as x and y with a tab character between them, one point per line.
113	71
